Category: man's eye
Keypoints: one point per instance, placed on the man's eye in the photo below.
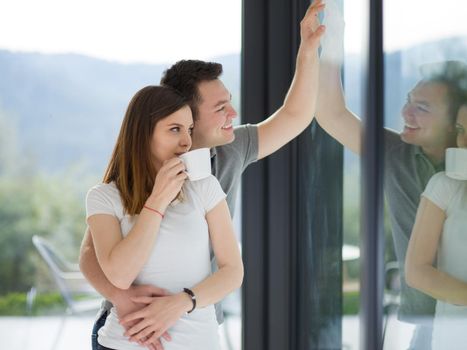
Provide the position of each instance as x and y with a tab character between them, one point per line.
422	109
221	109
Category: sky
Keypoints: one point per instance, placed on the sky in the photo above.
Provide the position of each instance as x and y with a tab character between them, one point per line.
160	31
148	31
407	22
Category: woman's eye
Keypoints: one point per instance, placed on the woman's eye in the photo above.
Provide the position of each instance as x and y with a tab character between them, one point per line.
190	131
175	129
221	109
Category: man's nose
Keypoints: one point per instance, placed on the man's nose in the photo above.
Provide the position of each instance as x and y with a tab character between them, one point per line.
408	111
232	112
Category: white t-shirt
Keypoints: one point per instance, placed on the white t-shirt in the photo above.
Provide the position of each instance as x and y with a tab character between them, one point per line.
450	322
180	258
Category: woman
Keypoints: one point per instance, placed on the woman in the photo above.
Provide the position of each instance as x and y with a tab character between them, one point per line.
151	226
440	231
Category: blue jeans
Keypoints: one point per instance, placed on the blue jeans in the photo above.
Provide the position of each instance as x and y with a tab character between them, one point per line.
101	347
98	325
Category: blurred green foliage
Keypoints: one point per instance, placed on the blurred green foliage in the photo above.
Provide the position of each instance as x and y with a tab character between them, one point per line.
35	203
351	303
16	304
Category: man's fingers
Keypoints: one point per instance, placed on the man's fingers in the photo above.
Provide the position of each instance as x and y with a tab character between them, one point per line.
142	300
133	331
166	336
132	317
320	30
312	6
150	290
159	345
143	335
158	292
152	338
155	343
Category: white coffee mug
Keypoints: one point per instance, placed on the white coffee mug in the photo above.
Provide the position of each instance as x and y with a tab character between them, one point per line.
456	163
197	163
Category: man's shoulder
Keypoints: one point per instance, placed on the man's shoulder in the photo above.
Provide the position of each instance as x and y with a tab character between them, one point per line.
245	130
393	143
245	135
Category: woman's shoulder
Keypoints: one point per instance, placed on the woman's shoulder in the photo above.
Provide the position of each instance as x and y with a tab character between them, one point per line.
203	184
208	190
441	189
108	190
441	179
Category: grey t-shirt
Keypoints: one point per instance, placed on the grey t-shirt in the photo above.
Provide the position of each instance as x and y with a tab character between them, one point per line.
228	163
407	172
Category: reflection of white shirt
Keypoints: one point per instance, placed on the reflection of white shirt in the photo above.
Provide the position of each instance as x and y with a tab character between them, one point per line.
180	258
450	323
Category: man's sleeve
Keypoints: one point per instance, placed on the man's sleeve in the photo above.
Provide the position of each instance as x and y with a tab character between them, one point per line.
246	142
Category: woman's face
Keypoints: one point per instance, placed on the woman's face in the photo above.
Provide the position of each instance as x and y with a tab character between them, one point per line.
172	136
461	127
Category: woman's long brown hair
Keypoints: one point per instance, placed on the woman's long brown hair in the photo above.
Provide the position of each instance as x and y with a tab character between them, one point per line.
131	166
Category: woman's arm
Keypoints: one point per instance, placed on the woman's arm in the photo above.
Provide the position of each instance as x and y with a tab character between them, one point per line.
161	313
120	258
229	276
421	254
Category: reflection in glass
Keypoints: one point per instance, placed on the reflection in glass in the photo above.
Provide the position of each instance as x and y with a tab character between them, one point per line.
424	70
420	111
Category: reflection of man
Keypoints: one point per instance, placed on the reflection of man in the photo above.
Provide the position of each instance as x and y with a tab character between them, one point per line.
411	157
232	150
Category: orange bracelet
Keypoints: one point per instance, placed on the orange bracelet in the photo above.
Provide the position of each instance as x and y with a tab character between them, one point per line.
154	210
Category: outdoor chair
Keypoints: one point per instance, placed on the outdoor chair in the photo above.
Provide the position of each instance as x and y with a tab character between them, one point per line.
69	279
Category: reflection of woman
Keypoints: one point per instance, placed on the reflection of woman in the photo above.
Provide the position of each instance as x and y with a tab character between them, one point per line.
151	226
441	230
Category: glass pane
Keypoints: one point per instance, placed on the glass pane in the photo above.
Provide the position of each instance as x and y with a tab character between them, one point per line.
352	76
67	73
423	92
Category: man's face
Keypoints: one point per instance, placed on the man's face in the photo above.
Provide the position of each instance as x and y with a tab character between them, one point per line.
461	127
213	126
426	116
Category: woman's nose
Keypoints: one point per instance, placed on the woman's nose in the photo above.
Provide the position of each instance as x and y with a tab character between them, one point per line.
185	140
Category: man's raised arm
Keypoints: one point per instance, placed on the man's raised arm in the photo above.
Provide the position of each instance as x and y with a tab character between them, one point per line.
299	106
332	113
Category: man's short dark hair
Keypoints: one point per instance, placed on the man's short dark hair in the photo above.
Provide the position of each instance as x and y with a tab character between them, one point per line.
185	76
453	74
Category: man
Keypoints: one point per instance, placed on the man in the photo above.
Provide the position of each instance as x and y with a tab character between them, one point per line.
411	157
232	151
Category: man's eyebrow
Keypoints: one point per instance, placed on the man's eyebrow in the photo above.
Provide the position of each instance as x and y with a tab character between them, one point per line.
223	101
411	98
423	103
